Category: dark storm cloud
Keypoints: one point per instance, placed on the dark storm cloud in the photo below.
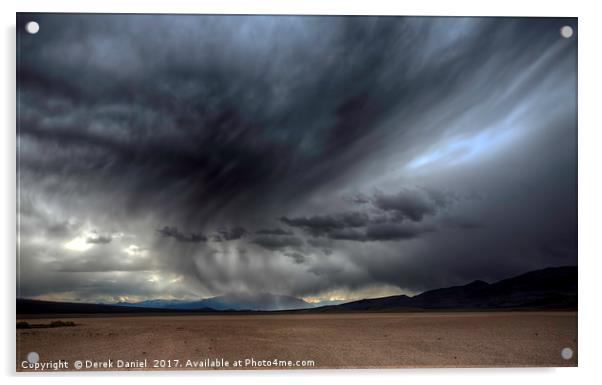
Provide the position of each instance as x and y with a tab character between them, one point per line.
232	234
227	124
277	242
296	256
390	232
380	232
462	223
173	232
383	222
360	199
274	231
256	132
412	204
320	225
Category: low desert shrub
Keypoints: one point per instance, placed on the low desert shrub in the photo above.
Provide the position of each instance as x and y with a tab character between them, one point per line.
23	325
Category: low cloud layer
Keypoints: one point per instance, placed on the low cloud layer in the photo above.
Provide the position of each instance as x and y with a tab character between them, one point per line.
165	156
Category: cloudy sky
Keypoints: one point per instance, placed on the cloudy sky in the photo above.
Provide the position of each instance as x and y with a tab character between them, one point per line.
320	157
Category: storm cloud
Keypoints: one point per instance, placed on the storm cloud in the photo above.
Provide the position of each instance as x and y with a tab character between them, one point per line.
274	231
185	156
273	242
173	232
322	224
379	232
411	204
231	234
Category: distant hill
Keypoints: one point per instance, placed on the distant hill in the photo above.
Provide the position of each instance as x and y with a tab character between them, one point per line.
550	288
236	301
231	302
32	306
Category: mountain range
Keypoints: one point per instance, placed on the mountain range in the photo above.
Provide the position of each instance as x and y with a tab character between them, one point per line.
550	288
233	301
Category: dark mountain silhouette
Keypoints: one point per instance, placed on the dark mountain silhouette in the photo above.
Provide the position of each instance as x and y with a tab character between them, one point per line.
550	288
233	301
32	306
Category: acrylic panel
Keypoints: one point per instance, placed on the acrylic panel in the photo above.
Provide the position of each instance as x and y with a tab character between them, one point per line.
295	192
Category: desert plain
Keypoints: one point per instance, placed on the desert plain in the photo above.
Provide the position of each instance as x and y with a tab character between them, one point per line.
294	341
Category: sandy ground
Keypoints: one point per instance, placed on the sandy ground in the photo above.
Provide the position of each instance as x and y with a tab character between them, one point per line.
390	340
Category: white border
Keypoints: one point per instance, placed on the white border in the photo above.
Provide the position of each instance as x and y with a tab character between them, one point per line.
590	185
315	7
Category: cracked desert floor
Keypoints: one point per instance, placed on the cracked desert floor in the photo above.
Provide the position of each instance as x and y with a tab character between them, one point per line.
345	340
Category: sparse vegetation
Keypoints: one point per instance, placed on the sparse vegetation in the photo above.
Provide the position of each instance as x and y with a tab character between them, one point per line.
56	324
53	324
